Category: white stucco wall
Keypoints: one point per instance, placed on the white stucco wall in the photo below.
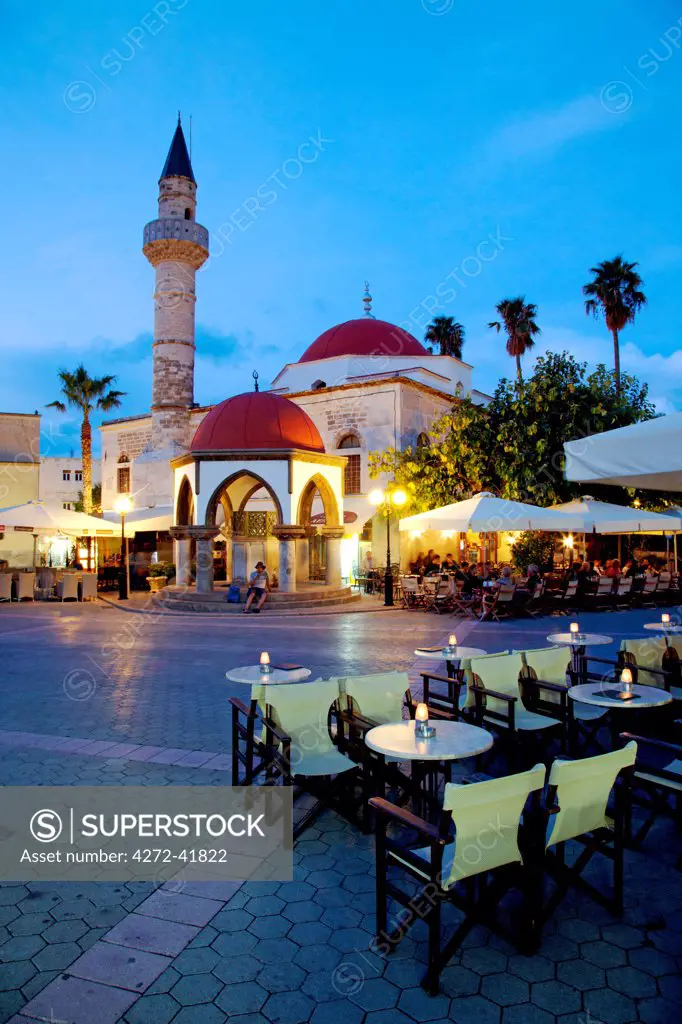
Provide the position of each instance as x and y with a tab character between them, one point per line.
53	486
446	373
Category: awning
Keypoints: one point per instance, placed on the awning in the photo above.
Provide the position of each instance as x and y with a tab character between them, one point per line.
647	455
485	513
157	519
603	517
43	517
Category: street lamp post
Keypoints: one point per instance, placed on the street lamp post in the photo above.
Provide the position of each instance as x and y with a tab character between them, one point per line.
122	507
387	499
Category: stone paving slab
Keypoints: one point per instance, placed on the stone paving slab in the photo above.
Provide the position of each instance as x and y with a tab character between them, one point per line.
152	934
183	909
120	966
75	1001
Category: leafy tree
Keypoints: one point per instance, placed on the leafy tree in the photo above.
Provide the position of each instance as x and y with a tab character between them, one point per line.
517	317
96	501
447	334
533	547
615	292
514	446
87	394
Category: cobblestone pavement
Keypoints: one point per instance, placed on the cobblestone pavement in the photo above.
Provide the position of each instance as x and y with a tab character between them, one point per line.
92	695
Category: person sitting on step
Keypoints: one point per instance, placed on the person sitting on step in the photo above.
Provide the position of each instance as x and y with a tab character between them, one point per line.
259	585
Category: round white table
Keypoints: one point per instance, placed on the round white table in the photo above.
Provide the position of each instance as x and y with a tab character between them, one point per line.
667	628
578	642
453	740
454	655
605	695
397	741
253	675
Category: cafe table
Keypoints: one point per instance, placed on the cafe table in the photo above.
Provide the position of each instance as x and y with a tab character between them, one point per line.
607	695
398	741
578	642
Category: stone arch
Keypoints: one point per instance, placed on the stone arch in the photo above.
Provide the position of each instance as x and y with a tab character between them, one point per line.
222	488
348	438
318	483
184	508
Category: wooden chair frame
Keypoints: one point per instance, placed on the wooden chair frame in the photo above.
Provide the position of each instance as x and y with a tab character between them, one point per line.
651	787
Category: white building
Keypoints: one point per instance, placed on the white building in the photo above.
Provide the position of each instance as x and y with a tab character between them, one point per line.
366	385
61	479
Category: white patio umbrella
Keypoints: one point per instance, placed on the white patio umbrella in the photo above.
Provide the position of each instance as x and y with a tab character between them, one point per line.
485	513
647	454
43	517
603	517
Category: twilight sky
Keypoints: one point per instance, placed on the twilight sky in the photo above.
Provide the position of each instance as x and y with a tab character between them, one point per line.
386	140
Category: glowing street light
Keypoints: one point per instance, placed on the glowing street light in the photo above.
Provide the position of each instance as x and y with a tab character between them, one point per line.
122	506
388	499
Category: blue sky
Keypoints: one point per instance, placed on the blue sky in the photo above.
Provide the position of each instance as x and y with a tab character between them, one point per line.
436	125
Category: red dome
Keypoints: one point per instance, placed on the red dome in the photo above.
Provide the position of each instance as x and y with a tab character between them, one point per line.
364	337
257	419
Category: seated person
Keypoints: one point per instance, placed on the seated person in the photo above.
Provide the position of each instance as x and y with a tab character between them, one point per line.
613	569
433	568
449	563
259	585
534	579
630	568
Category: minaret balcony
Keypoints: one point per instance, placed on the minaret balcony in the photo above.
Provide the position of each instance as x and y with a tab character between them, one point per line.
178	228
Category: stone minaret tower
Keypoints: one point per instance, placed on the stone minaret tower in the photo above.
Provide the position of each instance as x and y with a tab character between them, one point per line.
176	246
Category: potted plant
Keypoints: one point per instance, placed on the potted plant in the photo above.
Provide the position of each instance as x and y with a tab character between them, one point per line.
159	575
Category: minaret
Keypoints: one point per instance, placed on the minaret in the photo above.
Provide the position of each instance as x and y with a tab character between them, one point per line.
176	246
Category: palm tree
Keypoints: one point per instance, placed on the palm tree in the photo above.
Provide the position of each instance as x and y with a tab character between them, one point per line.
447	334
517	317
614	293
87	393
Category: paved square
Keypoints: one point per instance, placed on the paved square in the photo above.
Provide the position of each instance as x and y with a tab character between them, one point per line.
94	695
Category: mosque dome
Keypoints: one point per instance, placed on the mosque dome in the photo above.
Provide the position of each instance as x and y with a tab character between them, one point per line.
256	420
363	337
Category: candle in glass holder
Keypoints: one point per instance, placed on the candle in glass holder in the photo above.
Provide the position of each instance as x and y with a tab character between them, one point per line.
574	628
626	680
665	619
452	641
265	663
422	728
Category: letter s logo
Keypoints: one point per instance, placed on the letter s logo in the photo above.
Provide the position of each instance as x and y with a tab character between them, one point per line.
46	826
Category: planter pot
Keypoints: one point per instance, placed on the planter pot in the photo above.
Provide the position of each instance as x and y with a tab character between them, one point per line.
156	583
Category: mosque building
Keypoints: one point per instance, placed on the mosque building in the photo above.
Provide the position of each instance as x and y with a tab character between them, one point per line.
281	474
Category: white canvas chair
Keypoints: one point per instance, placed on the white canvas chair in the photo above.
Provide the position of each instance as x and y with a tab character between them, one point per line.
89	587
656	787
646	596
551	666
300	748
26	586
412	592
499	703
624	592
566	600
67	588
578	803
5	586
656	662
483	857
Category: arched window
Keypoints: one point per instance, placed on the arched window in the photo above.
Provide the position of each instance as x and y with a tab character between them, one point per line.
349	440
318	384
352	474
123	474
423	440
459	389
188	214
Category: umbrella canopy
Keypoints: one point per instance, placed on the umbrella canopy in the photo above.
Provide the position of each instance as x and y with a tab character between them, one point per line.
140	520
602	517
484	513
42	517
647	454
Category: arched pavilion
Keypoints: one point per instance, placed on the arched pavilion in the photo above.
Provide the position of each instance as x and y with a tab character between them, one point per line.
258	457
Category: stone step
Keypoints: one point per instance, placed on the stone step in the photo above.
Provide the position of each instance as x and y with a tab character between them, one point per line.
219	596
222	607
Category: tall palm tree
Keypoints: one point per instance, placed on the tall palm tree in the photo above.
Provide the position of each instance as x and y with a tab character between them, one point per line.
87	394
517	317
614	293
445	332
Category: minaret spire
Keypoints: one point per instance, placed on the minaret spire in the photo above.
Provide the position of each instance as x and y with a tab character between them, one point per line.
367	301
176	246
